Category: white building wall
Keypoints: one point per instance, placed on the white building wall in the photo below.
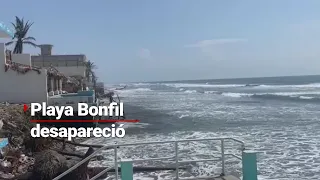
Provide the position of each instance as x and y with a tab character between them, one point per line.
22	59
21	88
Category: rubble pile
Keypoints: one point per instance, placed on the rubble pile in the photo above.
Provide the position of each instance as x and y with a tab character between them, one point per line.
12	167
19	157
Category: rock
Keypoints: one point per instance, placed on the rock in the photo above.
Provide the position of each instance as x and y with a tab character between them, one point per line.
48	164
7	176
81	173
5	164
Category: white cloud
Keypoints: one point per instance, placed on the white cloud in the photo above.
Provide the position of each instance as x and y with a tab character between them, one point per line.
144	53
218	49
211	42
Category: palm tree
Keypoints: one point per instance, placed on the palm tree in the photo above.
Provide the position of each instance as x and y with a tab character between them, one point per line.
20	35
89	70
90	74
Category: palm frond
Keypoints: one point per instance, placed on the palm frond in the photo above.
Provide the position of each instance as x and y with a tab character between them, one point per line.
14	25
21	29
30	43
9	43
29	38
26	28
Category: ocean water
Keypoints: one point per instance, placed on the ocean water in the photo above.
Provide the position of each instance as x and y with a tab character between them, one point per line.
278	117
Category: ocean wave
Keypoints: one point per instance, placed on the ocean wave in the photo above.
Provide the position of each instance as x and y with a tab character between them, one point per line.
181	85
129	91
191	91
312	85
229	94
265	86
141	84
302	96
212	92
283	97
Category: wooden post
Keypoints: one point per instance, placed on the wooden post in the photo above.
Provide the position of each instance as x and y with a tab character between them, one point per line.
249	166
126	169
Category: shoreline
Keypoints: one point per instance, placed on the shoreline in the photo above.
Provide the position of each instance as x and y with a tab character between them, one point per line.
26	157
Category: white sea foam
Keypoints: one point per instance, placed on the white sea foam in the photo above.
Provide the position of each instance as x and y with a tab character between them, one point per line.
262	86
290	148
181	85
136	125
141	84
295	93
306	97
188	151
211	92
132	91
279	158
182	116
288	94
312	85
237	95
190	91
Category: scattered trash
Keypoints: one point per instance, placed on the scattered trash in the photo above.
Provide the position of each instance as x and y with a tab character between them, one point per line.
11	167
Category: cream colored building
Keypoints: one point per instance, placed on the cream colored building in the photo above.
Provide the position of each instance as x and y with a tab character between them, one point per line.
69	65
21	82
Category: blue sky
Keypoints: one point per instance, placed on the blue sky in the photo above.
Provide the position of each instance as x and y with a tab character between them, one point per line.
147	40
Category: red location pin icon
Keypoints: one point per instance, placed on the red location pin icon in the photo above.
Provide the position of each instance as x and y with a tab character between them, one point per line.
25	107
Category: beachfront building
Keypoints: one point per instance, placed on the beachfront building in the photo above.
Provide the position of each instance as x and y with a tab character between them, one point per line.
25	82
70	65
20	83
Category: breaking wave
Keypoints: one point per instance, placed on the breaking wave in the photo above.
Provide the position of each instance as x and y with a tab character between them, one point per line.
312	85
190	91
133	91
181	85
294	96
282	97
190	85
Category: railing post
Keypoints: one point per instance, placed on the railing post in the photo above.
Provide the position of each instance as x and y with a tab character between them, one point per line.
249	166
126	169
222	157
116	162
177	159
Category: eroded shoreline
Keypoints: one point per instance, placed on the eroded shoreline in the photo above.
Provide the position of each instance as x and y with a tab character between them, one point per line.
26	157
